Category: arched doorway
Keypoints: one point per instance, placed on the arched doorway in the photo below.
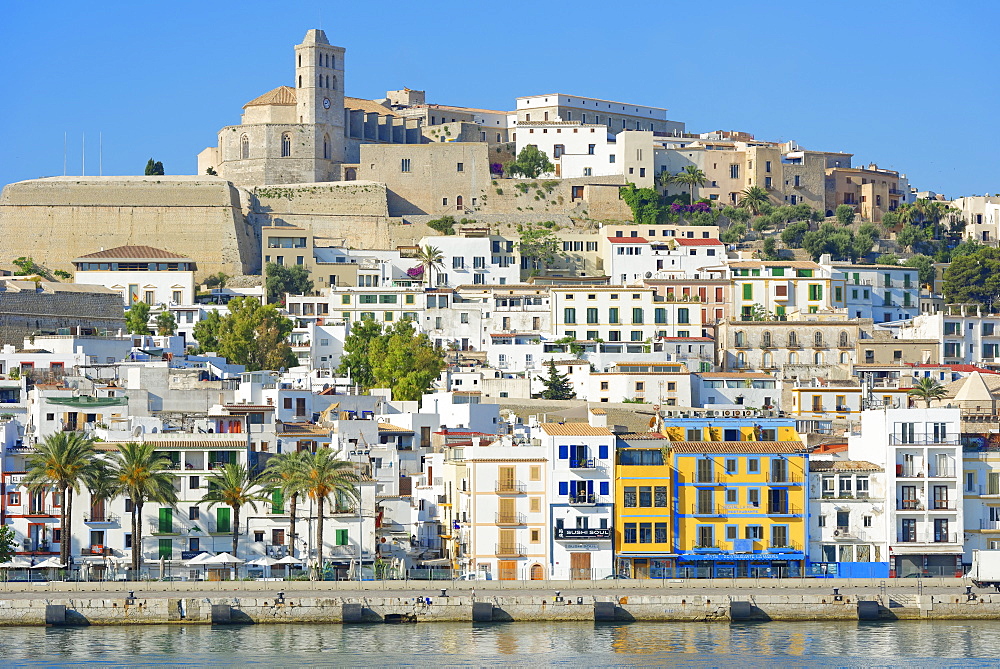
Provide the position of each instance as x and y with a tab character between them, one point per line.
537	572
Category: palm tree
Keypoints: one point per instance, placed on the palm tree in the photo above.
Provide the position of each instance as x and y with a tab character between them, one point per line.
664	179
691	177
236	487
431	259
103	488
324	477
63	461
927	389
753	199
144	476
284	470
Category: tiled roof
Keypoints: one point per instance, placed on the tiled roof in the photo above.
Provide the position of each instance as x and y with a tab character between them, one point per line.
134	253
574	430
843	466
737	446
282	95
598	412
306	429
683	241
386	427
225	441
369	106
734	375
247	407
642	436
628	240
796	264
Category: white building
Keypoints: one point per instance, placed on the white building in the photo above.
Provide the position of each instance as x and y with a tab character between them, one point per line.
581	471
140	274
847	535
982	216
880	292
475	258
921	453
968	333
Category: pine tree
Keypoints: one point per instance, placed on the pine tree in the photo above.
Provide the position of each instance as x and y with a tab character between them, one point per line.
557	386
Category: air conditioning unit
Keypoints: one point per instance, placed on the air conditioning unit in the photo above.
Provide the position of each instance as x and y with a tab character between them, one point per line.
727	413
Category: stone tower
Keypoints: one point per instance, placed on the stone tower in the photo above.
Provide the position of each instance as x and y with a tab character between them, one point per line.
319	94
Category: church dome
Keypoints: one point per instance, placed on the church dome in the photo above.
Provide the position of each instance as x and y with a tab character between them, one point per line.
282	95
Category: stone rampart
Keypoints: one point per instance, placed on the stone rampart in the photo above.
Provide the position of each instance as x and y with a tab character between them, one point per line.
26	309
57	219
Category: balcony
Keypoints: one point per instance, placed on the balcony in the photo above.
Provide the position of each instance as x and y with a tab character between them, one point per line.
943	505
101	518
785	478
927	538
947	472
585	499
510	519
511	488
510	550
162	530
909	505
989	525
707	510
708	478
97	550
584	463
783	510
903	472
582	533
923	439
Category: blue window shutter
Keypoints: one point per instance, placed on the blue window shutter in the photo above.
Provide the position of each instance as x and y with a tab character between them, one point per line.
603	452
590	487
563	488
605	487
563	452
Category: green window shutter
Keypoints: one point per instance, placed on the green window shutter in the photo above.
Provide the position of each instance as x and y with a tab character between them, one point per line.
778	271
341	537
569	315
660	315
748	291
637	315
683	315
222	520
591	315
166	523
165	549
277	501
613	315
838	294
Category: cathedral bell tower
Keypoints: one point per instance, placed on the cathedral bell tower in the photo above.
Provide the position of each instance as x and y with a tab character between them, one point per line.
319	99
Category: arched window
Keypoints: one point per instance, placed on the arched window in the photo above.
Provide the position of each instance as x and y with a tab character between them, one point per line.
845	358
843	339
300	60
741	338
320	63
793	339
333	62
817	338
328	81
326	147
818	358
286	145
768	362
300	81
244	147
319	81
741	360
766	340
458	201
334	86
793	358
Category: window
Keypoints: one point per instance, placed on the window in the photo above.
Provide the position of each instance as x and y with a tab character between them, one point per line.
815	291
592	315
244	147
286	145
645	496
731	466
753	496
194	513
613	315
748	291
569	315
629	497
630	533
587	172
404	165
637	315
590	149
660	496
734	171
460	167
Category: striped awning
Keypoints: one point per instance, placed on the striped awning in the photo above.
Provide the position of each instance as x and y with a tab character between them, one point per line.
722	557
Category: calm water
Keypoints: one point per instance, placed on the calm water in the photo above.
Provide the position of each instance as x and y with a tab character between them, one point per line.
520	644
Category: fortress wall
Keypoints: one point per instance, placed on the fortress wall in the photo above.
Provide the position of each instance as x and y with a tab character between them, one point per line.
23	312
57	219
353	211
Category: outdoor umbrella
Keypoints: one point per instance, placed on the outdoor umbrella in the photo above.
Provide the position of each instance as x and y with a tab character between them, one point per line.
223	560
16	563
266	562
51	563
198	559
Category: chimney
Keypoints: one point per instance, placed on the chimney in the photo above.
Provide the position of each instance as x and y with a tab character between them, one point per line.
597	418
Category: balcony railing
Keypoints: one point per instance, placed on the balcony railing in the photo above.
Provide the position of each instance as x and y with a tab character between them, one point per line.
708	478
582	463
783	510
909	505
927	538
923	439
585	499
943	505
707	510
989	524
783	477
947	472
510	519
96	550
511	487
510	550
155	528
101	518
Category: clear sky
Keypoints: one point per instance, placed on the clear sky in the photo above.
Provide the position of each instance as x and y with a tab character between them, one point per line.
910	85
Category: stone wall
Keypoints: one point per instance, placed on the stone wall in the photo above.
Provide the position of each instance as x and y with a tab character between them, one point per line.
25	309
57	219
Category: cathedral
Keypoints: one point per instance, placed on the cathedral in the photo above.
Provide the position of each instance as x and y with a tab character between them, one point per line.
306	134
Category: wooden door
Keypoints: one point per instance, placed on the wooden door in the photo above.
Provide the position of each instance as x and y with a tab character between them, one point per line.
537	572
507	570
579	566
506	478
508	545
507	515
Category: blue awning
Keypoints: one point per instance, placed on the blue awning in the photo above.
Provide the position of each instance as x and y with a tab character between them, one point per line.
722	557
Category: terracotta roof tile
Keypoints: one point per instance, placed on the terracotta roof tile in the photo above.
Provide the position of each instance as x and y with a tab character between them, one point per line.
698	242
282	95
628	240
843	466
134	253
386	427
574	430
738	447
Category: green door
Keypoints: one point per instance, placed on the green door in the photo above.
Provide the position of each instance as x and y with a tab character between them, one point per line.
341	537
166	524
277	501
222	520
166	549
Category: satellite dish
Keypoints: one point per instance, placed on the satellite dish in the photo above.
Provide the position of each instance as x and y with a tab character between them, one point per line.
649	275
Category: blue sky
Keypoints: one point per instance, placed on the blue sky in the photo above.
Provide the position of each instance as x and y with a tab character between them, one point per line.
909	85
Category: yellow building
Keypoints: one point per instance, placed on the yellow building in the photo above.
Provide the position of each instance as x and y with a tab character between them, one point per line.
740	508
643	514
